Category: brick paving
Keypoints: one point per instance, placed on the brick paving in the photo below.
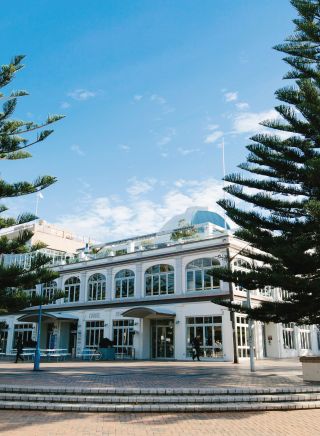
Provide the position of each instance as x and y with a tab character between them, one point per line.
140	374
291	423
146	374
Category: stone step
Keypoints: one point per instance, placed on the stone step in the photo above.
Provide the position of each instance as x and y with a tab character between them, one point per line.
88	407
158	399
156	391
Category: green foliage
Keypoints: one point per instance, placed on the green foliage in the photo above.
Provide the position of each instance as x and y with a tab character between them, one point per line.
185	230
15	136
282	214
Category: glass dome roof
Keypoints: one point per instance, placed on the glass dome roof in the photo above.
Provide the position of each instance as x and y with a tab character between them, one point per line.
195	216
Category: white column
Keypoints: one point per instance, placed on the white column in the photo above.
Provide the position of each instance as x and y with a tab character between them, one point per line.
109	283
139	282
178	272
83	287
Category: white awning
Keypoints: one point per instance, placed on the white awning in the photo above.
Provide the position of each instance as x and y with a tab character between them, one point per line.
147	312
48	316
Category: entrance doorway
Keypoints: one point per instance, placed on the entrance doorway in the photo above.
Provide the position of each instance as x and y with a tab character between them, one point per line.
162	339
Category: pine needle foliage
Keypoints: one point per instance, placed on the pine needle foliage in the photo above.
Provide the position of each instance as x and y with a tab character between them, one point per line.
15	137
282	192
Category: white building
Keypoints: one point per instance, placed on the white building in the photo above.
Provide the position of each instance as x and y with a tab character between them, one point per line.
151	295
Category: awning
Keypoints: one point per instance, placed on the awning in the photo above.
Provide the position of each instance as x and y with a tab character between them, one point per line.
47	316
147	312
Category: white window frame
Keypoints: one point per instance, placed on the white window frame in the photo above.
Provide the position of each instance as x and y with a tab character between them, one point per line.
97	287
158	278
94	333
72	289
125	284
194	271
288	336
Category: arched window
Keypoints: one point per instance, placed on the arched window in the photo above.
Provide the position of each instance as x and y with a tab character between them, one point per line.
50	290
124	284
159	280
199	277
97	287
72	289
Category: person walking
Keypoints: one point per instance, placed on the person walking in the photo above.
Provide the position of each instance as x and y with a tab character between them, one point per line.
19	347
196	348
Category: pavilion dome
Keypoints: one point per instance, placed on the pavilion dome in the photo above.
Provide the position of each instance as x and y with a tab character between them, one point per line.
195	216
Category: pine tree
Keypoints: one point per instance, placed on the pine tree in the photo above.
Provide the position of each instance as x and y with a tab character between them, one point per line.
15	137
281	220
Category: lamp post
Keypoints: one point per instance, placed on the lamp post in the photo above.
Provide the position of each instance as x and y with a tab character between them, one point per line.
37	354
251	334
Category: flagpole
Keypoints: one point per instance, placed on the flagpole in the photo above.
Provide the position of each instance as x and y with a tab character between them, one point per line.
223	181
37	204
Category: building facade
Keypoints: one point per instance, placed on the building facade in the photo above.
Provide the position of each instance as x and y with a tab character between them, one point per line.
152	295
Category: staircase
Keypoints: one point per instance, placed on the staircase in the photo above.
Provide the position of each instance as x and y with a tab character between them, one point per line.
158	399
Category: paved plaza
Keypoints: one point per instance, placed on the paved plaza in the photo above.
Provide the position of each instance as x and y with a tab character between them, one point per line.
142	374
154	374
35	423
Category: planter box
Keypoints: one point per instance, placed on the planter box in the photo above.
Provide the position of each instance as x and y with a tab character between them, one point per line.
311	368
108	353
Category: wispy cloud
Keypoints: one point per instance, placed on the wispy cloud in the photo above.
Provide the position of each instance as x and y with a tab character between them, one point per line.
77	149
137	97
82	94
248	122
158	99
186	151
124	147
213	137
167	137
161	101
242	106
104	219
65	105
139	187
231	96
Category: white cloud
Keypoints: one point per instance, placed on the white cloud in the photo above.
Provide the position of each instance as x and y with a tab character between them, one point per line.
82	94
158	99
104	219
77	149
186	151
65	105
242	106
137	97
124	147
248	122
213	137
139	187
213	126
231	96
164	140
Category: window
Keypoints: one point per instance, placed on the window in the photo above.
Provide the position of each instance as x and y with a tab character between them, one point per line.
124	284
94	333
240	264
72	289
49	290
123	332
243	336
266	291
24	331
97	287
288	336
3	336
209	330
159	280
305	337
199	277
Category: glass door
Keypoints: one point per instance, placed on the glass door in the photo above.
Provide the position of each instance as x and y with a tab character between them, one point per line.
162	339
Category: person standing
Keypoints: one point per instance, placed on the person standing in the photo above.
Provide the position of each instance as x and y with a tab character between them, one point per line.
19	347
196	348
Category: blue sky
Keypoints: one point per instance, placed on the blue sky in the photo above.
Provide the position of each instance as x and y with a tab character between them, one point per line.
149	89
